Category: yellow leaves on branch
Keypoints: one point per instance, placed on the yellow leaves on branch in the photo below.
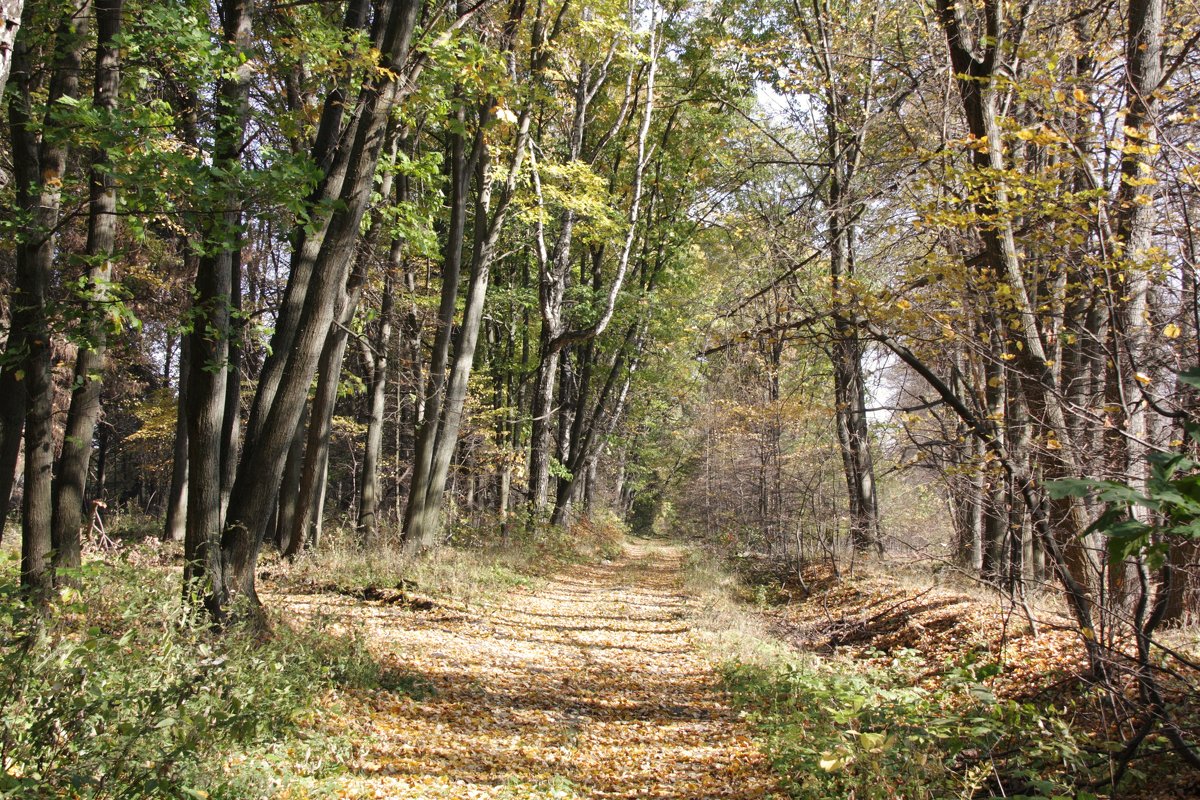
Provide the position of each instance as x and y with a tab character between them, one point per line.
1041	136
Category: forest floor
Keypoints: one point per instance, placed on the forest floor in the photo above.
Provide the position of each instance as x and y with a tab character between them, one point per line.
585	685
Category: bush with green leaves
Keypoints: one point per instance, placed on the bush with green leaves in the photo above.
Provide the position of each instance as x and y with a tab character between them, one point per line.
1146	521
840	730
120	691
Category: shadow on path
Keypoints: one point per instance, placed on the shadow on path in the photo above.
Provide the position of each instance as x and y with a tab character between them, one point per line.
586	687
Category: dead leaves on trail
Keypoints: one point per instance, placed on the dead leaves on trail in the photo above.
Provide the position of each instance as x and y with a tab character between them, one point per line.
586	687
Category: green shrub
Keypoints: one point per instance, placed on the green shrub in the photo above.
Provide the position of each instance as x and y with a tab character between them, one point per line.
120	691
853	731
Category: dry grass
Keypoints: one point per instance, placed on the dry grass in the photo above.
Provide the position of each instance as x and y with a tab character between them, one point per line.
724	624
467	575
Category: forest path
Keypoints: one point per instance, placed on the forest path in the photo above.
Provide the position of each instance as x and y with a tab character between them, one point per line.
585	686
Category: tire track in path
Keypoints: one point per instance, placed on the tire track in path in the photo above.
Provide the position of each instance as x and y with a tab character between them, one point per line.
585	686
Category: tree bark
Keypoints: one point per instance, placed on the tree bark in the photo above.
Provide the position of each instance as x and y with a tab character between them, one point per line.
438	436
176	521
232	421
377	357
456	200
287	530
40	167
311	493
10	23
12	388
554	335
977	84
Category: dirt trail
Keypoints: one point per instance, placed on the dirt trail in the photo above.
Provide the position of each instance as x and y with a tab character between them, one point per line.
584	687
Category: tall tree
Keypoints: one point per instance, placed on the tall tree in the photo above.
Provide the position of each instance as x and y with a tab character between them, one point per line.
70	482
209	345
40	167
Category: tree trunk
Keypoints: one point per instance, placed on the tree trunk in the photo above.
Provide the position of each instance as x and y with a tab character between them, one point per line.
1136	216
311	492
204	570
332	154
10	23
287	530
977	84
70	484
539	438
415	534
12	413
176	521
368	507
597	426
439	432
231	424
316	451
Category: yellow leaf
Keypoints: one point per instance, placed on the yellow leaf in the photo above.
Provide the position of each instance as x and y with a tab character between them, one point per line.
1171	330
1142	378
505	114
831	763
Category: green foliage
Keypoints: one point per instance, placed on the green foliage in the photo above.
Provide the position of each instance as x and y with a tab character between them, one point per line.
864	732
123	692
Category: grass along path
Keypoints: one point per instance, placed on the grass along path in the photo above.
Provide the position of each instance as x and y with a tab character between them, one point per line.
586	686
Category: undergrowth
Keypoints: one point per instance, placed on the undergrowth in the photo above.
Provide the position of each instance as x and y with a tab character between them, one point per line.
476	564
878	728
837	730
120	691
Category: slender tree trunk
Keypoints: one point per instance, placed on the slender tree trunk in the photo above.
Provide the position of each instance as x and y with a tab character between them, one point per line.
456	395
598	426
12	413
439	433
1136	215
287	530
855	442
176	521
310	501
331	153
10	23
231	424
311	492
368	507
70	484
976	73
456	200
543	411
318	522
